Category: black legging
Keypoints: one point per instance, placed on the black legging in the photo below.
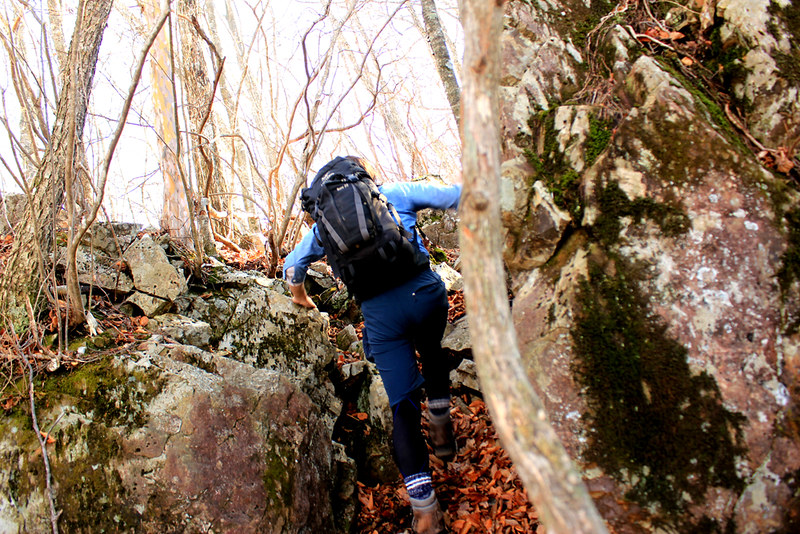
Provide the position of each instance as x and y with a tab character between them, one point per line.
410	451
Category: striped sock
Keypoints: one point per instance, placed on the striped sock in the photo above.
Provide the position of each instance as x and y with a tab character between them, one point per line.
419	489
439	409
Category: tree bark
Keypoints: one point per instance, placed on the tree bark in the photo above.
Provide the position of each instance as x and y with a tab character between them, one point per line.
240	166
444	66
22	274
554	485
175	207
199	95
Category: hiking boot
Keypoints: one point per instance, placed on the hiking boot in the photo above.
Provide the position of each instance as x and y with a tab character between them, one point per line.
440	431
428	521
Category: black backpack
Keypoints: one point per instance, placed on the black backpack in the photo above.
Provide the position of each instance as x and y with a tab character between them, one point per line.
362	235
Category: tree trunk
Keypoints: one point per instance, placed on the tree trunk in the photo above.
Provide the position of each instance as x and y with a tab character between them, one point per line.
444	66
240	166
22	274
554	485
175	207
257	94
198	91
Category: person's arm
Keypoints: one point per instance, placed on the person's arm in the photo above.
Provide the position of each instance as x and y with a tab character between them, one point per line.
307	251
414	196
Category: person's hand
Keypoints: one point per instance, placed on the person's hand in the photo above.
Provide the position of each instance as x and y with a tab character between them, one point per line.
299	296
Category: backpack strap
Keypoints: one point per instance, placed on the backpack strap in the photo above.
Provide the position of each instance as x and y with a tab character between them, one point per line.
362	219
343	248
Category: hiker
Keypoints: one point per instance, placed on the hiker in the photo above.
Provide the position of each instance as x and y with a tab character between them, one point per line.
404	305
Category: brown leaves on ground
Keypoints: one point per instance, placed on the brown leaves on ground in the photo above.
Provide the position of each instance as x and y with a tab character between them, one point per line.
251	259
479	491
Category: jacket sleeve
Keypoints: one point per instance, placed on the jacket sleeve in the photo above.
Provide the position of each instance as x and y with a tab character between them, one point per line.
416	196
307	251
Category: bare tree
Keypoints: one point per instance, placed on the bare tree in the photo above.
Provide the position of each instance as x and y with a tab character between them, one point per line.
554	485
444	66
175	207
23	272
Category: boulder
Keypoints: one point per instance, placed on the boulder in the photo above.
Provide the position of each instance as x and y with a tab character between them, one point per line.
101	270
255	321
152	272
440	227
346	337
465	376
182	329
657	334
111	239
169	438
452	279
456	336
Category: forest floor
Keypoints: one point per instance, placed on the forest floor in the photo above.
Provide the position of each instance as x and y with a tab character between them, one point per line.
479	491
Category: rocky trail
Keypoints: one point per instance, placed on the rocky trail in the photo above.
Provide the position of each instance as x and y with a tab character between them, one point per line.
479	490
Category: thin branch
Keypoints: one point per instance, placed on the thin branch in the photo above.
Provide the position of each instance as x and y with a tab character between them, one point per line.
301	179
121	123
35	423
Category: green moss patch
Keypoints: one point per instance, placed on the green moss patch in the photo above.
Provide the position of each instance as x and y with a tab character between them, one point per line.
788	64
112	395
279	481
90	492
615	204
550	165
584	19
652	423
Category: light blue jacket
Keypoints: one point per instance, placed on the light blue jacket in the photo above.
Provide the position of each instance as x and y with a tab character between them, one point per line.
406	197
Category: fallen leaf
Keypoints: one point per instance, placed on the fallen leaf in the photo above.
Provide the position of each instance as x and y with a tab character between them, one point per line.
687	61
783	162
143	320
47	437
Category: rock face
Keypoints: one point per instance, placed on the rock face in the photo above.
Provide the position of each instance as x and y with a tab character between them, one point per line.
255	322
763	37
655	296
171	439
170	436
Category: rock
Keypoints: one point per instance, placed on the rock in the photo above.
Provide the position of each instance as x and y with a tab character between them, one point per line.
533	243
152	272
322	275
683	292
378	461
762	37
345	474
182	329
148	304
346	337
351	370
111	239
452	279
149	442
262	327
440	227
100	270
465	376
456	336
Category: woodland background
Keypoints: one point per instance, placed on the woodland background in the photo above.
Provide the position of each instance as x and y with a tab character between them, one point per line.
649	153
227	109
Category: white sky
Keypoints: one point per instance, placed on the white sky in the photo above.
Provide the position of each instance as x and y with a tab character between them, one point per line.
409	75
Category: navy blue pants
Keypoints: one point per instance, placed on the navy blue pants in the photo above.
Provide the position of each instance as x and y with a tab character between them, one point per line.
408	318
